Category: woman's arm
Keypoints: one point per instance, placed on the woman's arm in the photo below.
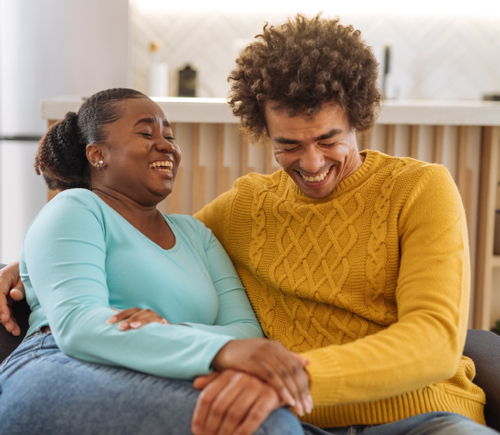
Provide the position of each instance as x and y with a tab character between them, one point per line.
65	253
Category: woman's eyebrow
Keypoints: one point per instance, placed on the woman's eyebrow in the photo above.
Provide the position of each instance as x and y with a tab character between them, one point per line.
152	120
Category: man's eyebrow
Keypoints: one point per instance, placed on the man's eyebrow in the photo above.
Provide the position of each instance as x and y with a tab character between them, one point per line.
284	141
152	120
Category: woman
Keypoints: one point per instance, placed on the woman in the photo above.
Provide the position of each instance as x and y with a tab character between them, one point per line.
102	245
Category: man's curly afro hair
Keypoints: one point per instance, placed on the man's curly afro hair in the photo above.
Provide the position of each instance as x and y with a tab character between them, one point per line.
301	65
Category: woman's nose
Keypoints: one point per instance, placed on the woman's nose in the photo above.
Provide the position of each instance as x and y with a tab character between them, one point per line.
165	145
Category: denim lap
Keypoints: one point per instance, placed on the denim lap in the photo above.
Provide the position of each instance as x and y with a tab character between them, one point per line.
43	391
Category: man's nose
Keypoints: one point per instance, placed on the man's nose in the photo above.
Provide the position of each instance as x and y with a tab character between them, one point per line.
312	160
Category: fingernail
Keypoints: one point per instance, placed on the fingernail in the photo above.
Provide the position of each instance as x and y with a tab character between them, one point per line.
196	430
308	406
2	318
122	326
300	409
164	321
136	325
289	398
111	319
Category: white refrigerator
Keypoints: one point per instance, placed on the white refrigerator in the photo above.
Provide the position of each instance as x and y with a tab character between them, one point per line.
49	48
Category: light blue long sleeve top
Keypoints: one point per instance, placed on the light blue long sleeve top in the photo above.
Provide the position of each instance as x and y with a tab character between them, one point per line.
81	258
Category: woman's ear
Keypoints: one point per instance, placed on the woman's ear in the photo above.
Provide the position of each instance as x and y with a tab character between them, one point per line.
95	155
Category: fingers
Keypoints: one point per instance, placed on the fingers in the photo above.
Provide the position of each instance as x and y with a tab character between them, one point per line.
9	279
135	318
259	411
234	402
296	380
9	321
202	381
270	361
204	403
249	409
17	292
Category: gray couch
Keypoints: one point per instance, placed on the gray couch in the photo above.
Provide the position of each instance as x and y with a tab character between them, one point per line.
483	347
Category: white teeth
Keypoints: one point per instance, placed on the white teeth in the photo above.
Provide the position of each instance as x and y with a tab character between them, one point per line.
165	164
317	178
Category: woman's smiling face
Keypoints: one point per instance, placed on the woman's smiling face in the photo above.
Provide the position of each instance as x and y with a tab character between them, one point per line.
316	151
140	155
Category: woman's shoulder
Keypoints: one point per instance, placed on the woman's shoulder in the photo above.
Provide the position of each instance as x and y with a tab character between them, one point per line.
188	224
68	205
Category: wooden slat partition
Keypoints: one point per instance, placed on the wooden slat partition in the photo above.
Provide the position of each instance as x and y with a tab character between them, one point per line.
464	175
244	167
223	182
438	144
198	174
414	135
486	228
390	139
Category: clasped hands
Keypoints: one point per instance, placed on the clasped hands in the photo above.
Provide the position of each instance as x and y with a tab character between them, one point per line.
251	378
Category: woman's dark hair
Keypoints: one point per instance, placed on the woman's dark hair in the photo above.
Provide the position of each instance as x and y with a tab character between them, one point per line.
61	156
301	65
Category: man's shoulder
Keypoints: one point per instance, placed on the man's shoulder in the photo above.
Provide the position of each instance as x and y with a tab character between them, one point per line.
254	180
405	169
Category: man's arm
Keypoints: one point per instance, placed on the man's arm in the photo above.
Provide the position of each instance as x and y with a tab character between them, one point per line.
425	344
11	290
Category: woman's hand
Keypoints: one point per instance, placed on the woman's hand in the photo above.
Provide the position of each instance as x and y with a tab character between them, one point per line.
232	403
11	289
272	363
135	318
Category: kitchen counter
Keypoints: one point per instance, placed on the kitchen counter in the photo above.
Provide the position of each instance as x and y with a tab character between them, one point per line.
215	110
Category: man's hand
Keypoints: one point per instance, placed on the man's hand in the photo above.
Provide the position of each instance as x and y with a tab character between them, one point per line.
232	403
11	289
271	362
135	318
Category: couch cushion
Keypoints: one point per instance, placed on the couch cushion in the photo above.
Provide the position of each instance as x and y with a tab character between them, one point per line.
483	347
7	341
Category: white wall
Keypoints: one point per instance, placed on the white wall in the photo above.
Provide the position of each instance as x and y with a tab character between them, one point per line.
49	48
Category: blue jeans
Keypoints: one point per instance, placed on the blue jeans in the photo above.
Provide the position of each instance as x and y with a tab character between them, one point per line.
45	392
430	423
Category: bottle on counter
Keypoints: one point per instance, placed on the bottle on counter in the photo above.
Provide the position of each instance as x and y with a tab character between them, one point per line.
187	82
158	73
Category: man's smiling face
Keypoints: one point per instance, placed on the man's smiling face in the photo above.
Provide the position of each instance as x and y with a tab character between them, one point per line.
316	151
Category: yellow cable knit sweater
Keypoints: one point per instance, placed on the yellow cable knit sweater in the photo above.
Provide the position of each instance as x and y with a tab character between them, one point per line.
371	284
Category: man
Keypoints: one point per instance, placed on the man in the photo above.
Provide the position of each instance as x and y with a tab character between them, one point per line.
358	261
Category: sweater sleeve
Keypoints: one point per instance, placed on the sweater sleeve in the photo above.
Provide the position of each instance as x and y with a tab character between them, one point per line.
65	252
425	344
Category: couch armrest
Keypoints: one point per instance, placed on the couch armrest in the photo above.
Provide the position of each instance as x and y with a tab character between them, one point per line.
483	347
8	342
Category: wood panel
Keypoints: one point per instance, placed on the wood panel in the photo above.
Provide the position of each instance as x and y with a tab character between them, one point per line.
414	132
437	146
390	139
486	228
464	175
244	167
198	174
223	181
173	202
